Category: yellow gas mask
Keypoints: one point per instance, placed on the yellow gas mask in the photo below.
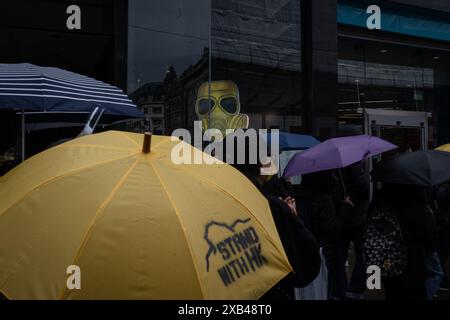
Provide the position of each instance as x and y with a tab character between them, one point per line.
222	111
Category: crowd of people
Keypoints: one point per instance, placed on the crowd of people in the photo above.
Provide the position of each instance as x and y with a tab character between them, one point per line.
328	214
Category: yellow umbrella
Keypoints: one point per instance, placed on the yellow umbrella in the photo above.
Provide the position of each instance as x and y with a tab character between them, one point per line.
445	147
137	225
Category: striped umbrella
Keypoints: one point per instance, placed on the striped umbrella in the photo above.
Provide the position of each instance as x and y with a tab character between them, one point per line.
24	86
33	89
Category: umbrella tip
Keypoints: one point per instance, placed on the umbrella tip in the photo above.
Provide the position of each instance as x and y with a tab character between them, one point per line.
146	147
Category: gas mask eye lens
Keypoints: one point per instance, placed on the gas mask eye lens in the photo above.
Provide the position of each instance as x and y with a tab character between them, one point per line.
205	106
229	105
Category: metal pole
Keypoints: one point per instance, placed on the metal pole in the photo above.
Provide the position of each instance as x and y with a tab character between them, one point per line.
342	183
209	62
415	94
23	135
359	95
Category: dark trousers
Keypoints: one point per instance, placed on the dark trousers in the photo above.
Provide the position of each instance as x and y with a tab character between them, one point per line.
396	288
358	280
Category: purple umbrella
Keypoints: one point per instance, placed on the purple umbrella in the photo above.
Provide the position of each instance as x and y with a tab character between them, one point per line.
336	153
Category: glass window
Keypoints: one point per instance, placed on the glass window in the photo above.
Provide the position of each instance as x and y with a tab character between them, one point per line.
256	54
163	35
390	76
257	46
227	63
167	39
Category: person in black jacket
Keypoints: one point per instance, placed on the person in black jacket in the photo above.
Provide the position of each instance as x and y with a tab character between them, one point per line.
325	214
418	225
298	242
300	246
356	185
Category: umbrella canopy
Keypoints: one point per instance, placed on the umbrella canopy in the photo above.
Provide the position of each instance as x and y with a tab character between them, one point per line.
137	225
292	141
422	168
29	87
445	147
336	153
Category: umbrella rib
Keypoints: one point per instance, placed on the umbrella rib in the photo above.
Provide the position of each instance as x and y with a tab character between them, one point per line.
97	214
69	173
182	226
7	297
108	147
162	142
92	146
126	136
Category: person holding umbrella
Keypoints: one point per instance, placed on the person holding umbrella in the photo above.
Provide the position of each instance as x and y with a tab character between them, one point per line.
298	242
442	207
404	273
407	181
357	188
325	213
442	201
147	228
338	153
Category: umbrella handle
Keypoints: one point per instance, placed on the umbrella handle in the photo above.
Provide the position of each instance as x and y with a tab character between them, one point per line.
343	184
147	145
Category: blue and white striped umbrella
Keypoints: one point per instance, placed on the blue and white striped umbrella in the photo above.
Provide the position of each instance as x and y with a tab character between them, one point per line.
28	87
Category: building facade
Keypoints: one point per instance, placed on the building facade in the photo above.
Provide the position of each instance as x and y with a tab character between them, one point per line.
150	99
41	32
299	65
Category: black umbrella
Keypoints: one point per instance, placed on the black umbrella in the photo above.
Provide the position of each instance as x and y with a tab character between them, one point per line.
421	168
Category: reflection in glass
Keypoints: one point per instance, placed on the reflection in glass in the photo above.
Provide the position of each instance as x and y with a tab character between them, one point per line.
257	45
166	38
381	75
205	105
229	104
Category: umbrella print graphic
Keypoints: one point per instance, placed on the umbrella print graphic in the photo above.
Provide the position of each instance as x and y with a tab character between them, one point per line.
212	247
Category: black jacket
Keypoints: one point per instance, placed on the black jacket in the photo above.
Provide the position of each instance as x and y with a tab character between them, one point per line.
323	214
358	188
419	230
299	244
420	237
